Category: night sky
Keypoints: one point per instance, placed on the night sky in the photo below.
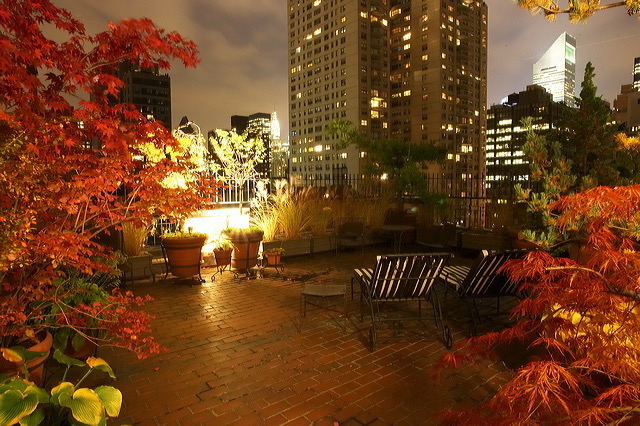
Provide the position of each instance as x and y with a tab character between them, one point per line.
243	48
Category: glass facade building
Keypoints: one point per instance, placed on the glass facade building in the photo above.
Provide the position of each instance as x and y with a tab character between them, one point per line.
556	70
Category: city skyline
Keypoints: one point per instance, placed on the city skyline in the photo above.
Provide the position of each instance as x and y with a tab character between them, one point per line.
243	48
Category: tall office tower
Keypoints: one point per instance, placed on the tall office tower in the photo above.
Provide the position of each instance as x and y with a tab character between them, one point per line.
636	74
626	109
239	123
279	151
259	125
438	76
148	90
506	162
339	68
556	70
409	69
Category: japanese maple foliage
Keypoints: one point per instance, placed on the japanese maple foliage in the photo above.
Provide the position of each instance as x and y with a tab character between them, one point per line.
72	161
581	320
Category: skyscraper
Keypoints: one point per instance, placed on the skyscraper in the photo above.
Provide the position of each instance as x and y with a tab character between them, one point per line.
506	161
255	125
438	77
409	69
148	90
279	151
636	74
626	106
556	70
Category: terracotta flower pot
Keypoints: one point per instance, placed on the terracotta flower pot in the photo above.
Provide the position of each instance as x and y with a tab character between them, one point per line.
273	258
184	255
245	253
35	366
223	257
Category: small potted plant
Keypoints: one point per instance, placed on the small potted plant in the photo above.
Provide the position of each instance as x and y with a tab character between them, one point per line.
273	256
183	252
222	249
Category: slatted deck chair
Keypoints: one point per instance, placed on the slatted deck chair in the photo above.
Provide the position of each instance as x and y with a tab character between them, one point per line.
402	277
482	280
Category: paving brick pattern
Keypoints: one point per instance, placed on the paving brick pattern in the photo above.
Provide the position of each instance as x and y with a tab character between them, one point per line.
239	353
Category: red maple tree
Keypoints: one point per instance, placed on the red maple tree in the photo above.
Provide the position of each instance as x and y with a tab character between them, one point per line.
74	163
581	322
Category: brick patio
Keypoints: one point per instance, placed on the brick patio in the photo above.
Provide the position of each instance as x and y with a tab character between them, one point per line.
239	353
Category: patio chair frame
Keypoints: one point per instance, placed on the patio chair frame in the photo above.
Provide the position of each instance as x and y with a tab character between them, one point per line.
482	280
403	277
351	234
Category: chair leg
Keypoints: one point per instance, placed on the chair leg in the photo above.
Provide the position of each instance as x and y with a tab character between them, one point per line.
352	288
373	339
345	305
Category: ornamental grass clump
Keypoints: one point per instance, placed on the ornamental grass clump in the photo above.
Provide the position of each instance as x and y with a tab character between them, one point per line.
263	212
134	238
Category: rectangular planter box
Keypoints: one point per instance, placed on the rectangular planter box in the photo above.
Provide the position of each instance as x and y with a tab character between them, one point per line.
136	267
485	241
323	244
297	247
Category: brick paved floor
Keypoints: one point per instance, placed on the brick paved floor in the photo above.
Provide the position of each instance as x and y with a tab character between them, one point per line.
239	353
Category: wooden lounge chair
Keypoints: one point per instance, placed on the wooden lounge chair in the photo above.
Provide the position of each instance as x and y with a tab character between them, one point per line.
482	280
401	277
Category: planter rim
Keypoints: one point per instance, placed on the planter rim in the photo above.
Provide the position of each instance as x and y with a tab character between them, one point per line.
183	238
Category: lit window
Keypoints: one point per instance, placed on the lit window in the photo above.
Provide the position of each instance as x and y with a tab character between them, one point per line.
363	122
406	37
363	14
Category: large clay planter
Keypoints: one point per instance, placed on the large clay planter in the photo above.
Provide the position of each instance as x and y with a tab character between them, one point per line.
35	366
245	253
184	255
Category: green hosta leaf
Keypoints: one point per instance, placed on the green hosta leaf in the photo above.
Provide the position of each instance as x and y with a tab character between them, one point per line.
100	364
61	394
78	341
40	394
12	355
14	405
86	406
111	399
22	353
33	419
67	360
60	338
14	383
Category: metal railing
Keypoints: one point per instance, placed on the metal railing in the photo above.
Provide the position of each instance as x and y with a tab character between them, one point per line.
468	202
